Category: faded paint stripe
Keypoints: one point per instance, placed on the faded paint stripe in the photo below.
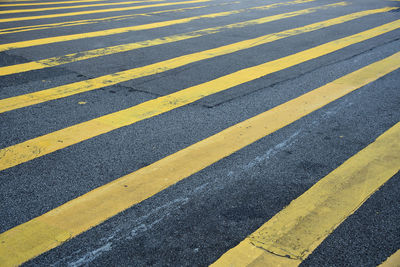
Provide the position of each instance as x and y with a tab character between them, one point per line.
392	261
49	3
53	228
154	25
91	21
83	55
72	7
16	102
296	231
12	1
43	145
99	11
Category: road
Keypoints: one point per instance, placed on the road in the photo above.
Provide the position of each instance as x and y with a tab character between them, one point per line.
199	132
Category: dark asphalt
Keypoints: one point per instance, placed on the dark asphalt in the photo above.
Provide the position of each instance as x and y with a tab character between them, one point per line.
195	221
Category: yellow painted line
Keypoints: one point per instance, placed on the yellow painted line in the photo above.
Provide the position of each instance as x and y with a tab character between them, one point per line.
43	145
296	231
25	100
12	1
154	25
51	229
99	11
49	3
392	261
21	101
83	55
80	22
252	256
91	21
72	7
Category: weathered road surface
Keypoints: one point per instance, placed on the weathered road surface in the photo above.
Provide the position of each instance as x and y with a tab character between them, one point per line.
199	132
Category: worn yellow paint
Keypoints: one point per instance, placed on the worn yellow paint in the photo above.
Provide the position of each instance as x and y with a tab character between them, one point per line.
51	229
43	145
296	231
99	11
72	7
48	3
91	21
154	25
12	1
246	254
74	57
21	101
392	261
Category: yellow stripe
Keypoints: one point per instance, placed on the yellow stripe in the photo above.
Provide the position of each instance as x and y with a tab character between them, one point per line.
16	102
99	11
91	21
49	143
246	254
43	145
51	3
296	231
21	101
148	26
49	230
392	261
60	60
12	1
72	7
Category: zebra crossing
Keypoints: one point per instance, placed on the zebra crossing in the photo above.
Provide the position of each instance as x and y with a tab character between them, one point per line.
199	50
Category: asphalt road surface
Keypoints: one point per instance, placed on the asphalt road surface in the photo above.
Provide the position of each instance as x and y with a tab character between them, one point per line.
199	132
